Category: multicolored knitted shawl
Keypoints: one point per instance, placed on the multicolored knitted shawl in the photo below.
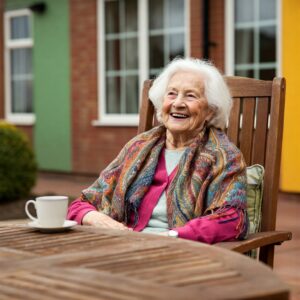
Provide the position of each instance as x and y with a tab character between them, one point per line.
210	176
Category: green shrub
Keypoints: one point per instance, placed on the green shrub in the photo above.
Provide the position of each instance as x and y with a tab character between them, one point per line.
17	163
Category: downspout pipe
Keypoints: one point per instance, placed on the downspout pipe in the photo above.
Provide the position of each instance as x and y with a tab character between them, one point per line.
205	29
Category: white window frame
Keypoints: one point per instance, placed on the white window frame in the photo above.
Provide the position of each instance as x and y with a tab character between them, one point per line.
143	62
16	118
230	42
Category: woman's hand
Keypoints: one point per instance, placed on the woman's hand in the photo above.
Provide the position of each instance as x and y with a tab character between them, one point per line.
98	219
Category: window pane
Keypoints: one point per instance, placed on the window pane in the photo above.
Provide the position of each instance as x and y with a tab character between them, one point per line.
131	94
113	87
176	15
130	15
244	45
21	95
112	17
21	80
131	49
112	54
244	10
155	8
267	44
245	73
267	10
21	62
267	74
156	52
19	27
176	45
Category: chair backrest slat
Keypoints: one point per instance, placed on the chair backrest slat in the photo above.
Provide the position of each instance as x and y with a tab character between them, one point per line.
247	128
254	103
273	150
146	109
248	87
234	124
261	130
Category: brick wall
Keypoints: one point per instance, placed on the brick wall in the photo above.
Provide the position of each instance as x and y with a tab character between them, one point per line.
93	147
216	30
196	34
217	33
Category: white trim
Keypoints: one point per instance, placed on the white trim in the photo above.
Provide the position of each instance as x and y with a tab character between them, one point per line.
187	32
21	119
105	119
256	66
117	120
16	13
20	43
229	38
121	35
255	23
101	60
143	43
15	118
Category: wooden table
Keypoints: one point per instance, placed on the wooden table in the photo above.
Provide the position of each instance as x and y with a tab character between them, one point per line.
92	263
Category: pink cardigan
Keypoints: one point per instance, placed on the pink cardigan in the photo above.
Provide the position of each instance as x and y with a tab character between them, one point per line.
204	229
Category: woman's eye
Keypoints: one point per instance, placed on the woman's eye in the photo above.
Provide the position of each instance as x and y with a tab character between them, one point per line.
171	94
192	96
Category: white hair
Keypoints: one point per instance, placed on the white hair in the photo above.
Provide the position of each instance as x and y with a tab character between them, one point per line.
216	91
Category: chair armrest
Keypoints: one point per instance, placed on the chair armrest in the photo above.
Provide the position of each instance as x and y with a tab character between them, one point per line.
257	240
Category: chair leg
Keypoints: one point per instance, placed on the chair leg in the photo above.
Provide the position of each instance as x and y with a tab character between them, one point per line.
266	255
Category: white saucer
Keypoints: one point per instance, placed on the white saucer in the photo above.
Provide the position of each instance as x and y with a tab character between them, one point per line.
67	225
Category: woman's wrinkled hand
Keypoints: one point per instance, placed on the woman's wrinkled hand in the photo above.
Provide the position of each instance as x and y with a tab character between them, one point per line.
98	219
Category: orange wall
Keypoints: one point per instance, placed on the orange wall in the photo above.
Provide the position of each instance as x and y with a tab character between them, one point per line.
290	171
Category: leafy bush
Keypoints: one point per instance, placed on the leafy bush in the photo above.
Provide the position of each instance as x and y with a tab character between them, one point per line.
17	163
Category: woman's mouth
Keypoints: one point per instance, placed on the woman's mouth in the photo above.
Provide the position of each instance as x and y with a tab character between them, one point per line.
179	115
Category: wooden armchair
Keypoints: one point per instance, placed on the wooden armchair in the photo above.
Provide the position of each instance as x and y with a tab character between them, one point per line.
255	126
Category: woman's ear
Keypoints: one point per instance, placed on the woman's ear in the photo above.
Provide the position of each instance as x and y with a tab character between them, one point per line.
211	112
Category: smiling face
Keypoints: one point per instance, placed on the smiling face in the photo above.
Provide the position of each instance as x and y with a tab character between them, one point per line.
185	108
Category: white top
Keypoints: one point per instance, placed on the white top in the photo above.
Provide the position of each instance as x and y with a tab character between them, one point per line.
159	221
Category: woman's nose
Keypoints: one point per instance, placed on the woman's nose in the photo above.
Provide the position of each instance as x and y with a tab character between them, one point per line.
179	101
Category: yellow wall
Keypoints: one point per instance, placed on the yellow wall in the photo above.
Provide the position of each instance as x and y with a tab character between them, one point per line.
290	168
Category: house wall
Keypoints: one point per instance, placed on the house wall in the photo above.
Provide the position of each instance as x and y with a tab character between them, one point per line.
290	179
51	135
52	87
93	147
217	33
66	76
196	35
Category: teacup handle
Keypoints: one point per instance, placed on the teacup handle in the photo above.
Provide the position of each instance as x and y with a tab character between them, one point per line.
27	211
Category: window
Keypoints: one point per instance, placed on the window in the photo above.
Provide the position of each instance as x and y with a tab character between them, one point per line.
166	33
18	67
255	38
137	38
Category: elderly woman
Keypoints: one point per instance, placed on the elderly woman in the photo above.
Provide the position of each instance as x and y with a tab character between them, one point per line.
183	178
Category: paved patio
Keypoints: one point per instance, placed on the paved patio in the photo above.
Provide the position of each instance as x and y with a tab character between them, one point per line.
287	256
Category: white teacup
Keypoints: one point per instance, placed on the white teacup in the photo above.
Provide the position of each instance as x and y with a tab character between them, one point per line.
51	210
